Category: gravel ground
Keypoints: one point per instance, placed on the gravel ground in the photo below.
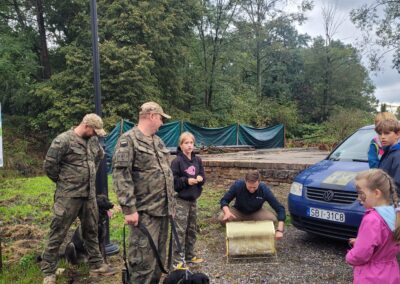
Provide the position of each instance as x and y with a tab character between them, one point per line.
301	257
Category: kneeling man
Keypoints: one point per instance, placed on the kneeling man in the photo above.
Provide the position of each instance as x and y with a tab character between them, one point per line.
250	195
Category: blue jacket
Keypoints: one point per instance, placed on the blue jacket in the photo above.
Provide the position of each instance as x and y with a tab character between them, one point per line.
248	203
375	153
390	163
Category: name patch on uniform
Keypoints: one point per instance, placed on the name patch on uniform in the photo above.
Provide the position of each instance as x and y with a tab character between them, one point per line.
124	143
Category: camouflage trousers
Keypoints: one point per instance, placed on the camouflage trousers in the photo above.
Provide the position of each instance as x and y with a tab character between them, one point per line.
65	211
141	260
186	227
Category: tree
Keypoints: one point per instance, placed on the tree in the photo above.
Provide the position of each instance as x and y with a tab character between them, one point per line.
258	13
380	23
44	52
18	66
142	47
349	83
212	29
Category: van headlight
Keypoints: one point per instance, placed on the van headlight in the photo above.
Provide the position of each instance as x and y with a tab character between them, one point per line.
296	189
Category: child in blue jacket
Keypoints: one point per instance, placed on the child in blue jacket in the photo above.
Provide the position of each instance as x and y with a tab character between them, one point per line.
375	148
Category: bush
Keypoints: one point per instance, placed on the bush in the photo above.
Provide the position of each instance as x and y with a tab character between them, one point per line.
344	122
23	150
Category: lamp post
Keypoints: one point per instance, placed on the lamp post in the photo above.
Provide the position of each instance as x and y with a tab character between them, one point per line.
101	177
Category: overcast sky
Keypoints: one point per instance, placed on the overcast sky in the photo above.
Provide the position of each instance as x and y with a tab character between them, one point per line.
387	81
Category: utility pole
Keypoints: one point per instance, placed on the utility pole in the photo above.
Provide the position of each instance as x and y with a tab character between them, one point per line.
101	178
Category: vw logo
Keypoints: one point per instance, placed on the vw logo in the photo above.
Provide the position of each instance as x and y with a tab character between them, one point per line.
328	195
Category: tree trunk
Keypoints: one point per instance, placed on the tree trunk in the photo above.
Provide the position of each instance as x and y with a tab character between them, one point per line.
258	51
44	53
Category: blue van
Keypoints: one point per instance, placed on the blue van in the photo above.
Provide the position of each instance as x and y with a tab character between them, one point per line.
323	197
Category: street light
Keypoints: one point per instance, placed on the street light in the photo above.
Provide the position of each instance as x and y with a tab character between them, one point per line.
101	177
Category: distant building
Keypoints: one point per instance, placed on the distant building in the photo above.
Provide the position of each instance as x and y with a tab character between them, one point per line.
390	107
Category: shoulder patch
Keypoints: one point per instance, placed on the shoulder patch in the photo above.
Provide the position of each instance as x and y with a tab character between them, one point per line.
57	141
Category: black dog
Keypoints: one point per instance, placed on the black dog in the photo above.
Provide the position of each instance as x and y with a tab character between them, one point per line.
75	251
186	277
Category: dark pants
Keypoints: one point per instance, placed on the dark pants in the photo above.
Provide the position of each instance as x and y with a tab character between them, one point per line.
65	211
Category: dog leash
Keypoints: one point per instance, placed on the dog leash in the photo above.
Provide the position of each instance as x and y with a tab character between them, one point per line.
153	247
174	235
126	277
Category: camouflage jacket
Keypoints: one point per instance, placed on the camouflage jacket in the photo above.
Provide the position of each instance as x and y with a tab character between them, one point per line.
71	162
142	177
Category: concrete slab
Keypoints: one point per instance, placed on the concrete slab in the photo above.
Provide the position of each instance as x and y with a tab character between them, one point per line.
301	156
276	166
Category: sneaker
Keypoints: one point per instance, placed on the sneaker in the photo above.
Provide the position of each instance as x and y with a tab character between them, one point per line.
104	269
180	266
196	259
49	279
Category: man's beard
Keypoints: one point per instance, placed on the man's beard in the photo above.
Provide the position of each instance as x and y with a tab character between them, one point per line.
86	136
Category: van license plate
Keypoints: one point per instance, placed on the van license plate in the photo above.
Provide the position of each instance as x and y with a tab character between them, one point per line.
326	214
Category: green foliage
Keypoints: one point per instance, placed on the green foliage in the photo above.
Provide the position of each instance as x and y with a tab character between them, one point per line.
26	272
334	77
22	153
18	65
341	124
210	63
380	18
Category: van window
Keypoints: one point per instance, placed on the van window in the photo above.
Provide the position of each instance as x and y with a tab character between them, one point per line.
354	148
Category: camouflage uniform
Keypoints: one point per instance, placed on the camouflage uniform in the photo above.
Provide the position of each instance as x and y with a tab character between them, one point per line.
186	227
143	182
71	162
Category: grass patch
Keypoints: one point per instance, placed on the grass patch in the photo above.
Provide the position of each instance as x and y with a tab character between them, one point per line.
26	200
25	207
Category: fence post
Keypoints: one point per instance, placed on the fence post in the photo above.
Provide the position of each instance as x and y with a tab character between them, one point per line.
284	136
121	127
237	133
181	128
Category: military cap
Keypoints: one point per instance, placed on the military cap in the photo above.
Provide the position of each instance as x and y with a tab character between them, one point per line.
152	107
96	122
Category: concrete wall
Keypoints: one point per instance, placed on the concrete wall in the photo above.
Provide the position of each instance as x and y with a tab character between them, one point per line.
224	173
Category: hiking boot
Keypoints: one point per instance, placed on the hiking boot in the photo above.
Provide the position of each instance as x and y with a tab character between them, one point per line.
104	269
196	259
49	279
180	266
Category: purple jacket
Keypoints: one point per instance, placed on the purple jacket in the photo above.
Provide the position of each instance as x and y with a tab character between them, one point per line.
373	256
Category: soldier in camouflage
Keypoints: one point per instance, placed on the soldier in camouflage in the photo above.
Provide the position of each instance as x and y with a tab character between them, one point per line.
143	182
71	162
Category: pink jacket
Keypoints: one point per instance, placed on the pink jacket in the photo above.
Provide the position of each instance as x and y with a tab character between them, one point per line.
373	256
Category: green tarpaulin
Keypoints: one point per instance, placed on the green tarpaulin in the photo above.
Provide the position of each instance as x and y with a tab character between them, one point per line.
269	137
221	136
